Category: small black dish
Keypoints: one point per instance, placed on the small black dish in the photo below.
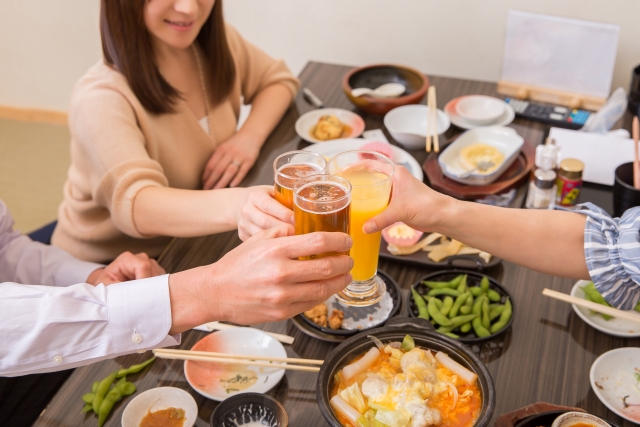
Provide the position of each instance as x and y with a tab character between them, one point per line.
338	335
244	408
473	279
425	336
545	419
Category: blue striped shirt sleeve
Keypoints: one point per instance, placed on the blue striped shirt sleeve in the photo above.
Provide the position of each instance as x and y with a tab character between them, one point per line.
612	252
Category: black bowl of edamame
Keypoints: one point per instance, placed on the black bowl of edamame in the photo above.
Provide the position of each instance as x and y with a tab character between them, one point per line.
465	305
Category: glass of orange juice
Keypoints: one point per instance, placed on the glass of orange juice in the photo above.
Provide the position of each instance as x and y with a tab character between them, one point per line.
370	175
321	203
290	167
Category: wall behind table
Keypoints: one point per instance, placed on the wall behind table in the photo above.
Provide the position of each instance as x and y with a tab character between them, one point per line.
45	46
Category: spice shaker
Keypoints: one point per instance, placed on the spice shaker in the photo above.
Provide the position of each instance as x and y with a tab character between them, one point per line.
569	182
542	190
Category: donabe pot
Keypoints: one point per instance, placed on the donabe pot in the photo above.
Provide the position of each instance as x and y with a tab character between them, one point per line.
425	336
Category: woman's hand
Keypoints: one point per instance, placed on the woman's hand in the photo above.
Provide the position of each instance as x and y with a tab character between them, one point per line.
126	267
231	162
413	203
261	280
261	212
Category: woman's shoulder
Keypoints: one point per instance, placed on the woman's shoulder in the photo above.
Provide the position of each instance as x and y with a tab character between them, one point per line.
99	83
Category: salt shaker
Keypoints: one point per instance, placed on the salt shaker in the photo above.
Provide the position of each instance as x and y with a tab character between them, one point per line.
542	190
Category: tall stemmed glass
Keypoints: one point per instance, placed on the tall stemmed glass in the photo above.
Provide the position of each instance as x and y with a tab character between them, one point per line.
290	167
370	175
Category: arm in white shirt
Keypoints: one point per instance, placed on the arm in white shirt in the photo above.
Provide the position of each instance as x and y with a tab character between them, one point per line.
45	328
25	261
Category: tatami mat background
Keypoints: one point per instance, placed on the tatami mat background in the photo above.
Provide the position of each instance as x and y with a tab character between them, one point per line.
34	158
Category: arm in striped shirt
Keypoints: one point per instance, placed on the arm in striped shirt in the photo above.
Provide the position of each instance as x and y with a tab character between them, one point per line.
612	252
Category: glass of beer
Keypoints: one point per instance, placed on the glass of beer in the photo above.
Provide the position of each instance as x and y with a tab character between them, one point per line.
370	175
321	203
290	167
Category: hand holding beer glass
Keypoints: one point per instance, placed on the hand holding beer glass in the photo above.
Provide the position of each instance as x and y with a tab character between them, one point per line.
370	175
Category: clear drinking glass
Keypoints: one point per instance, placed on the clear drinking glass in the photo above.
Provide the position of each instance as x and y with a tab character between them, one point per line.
321	203
291	166
370	175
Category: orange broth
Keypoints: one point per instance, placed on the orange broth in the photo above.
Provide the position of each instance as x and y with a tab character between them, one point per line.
464	414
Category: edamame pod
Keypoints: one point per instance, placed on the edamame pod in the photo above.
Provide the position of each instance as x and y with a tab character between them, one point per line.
485	313
88	397
462	287
493	295
135	368
102	390
465	309
480	330
461	320
458	304
421	304
451	335
438	302
477	305
447	303
452	284
475	291
495	312
443	291
465	328
94	386
484	284
504	317
87	407
445	329
436	315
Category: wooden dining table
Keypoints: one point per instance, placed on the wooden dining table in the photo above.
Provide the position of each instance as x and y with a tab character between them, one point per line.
544	357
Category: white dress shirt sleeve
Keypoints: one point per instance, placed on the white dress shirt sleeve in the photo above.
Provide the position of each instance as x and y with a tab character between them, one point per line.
45	328
25	261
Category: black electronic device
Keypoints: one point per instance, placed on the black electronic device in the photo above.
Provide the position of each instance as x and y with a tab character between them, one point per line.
558	116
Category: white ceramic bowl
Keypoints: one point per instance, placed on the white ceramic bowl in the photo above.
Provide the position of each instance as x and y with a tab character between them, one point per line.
408	125
156	399
569	419
506	140
480	109
307	122
616	326
612	378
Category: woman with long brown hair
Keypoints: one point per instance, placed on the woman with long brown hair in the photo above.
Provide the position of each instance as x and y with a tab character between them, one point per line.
155	121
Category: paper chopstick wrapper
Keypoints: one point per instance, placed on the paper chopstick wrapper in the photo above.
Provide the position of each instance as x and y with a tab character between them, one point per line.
217	326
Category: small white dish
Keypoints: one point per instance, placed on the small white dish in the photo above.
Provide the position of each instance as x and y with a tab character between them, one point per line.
207	377
156	399
613	376
507	116
306	123
408	125
480	109
506	140
569	419
616	327
337	146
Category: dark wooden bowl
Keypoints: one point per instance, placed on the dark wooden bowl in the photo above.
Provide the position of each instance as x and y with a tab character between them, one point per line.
376	75
244	408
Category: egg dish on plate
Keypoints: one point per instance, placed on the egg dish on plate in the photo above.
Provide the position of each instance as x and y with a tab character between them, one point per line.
473	155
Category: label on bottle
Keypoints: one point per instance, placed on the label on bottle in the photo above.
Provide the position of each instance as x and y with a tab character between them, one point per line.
567	191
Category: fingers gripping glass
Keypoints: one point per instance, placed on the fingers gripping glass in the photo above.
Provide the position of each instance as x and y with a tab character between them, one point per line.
291	166
370	175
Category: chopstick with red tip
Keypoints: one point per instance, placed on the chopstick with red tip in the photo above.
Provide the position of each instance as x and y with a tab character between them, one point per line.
636	161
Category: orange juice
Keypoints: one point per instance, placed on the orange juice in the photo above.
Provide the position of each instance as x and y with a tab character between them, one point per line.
369	196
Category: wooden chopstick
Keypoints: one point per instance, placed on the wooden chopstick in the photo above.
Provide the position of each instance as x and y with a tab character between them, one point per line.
429	122
235	361
240	356
636	162
627	315
436	144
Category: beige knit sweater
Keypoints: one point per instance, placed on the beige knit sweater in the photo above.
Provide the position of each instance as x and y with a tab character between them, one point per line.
118	148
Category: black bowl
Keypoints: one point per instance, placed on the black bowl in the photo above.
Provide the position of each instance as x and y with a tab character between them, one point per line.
425	336
473	279
244	408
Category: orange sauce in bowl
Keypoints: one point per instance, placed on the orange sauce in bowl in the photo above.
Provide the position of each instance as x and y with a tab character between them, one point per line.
169	417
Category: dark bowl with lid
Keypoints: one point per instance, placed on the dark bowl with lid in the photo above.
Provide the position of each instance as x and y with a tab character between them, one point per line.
426	337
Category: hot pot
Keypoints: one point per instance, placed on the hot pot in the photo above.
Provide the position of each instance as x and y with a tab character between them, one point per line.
425	336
